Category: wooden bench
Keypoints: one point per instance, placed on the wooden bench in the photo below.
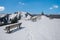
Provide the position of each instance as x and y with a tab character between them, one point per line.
34	18
7	28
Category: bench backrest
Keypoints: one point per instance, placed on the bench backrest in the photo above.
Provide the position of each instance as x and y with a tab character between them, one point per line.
13	26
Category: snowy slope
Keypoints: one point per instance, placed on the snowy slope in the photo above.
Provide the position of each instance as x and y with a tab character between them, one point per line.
43	29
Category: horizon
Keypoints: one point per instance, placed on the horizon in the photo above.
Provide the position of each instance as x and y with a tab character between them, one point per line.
31	6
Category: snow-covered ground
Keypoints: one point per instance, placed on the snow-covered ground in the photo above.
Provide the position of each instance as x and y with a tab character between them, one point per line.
43	29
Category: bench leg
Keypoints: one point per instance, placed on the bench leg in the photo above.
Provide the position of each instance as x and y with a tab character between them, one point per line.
8	31
19	26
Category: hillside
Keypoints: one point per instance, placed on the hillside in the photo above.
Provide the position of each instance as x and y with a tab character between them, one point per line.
43	29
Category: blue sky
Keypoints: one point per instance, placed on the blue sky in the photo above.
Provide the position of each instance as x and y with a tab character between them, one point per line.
32	6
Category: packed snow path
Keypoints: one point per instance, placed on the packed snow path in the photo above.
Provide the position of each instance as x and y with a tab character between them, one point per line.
43	29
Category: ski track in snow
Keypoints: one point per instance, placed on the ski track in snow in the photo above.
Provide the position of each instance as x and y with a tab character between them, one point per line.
43	29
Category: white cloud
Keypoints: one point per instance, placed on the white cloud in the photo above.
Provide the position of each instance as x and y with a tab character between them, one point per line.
54	7
2	8
21	3
50	8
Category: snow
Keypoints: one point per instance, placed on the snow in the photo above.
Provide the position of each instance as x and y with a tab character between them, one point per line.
23	15
12	16
2	15
42	29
